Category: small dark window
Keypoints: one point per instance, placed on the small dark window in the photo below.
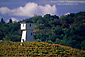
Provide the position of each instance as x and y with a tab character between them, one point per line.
30	25
31	33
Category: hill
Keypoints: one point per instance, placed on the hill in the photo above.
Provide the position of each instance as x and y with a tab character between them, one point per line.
68	30
38	49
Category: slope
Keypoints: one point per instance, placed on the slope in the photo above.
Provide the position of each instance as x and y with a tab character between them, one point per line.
38	49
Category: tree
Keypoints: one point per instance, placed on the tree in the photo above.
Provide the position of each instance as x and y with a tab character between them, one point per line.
83	45
10	20
40	26
2	21
47	17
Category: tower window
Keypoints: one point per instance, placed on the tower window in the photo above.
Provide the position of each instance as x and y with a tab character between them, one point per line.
31	33
30	25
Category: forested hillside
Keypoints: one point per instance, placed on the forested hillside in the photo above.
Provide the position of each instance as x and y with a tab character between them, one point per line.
66	30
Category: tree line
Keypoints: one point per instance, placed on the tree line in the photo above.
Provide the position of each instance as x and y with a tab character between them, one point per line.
10	31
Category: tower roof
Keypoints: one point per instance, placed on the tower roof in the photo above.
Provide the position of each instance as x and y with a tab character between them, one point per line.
26	23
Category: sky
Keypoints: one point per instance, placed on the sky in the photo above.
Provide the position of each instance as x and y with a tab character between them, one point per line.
22	9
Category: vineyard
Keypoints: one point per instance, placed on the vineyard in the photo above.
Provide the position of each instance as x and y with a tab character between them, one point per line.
38	49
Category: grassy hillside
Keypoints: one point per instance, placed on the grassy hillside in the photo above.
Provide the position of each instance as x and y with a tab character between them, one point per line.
38	49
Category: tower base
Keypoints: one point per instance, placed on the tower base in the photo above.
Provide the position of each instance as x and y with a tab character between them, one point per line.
27	36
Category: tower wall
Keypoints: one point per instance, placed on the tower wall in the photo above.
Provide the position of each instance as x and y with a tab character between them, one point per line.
23	36
27	31
25	26
30	26
29	35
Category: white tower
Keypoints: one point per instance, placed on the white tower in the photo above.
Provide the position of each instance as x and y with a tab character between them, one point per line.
27	31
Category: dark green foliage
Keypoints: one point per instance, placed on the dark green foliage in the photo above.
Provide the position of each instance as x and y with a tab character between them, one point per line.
10	31
40	26
66	30
10	20
2	21
83	45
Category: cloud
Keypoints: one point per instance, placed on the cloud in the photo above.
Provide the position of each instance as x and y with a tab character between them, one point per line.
30	9
67	13
4	10
67	2
13	19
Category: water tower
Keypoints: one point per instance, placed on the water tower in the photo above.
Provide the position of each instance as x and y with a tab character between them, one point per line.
27	31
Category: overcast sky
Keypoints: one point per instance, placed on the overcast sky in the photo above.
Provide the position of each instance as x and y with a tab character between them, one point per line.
22	9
